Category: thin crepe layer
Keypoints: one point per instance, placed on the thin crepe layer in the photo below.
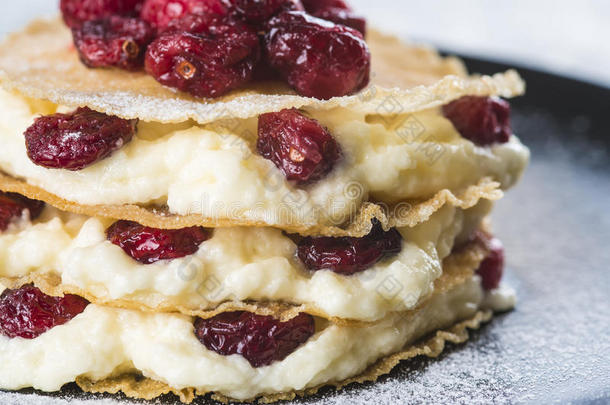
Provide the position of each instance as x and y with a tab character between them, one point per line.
138	387
458	297
457	268
41	62
405	214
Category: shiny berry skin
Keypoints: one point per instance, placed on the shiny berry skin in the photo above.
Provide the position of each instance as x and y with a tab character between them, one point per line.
76	12
12	206
348	255
259	339
344	17
149	245
336	11
28	313
492	267
114	41
482	120
159	13
76	140
217	56
313	6
299	146
263	72
318	58
208	25
259	11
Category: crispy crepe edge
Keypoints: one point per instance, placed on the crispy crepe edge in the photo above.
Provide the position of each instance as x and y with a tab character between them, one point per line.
135	386
457	268
41	62
406	214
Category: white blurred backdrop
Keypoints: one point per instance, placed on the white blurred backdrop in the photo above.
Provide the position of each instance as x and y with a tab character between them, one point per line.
561	36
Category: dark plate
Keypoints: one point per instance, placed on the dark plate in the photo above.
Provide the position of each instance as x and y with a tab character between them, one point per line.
555	347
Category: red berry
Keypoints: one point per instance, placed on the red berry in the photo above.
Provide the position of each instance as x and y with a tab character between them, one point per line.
212	25
317	57
12	206
113	41
482	120
336	11
263	72
75	12
344	17
159	13
259	339
348	255
76	140
149	245
217	55
314	6
299	146
259	11
492	267
28	313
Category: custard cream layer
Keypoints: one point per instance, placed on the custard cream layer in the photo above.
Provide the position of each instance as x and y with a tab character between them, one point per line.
235	264
216	171
102	342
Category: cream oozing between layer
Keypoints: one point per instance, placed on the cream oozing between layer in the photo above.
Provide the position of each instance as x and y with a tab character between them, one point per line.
236	264
216	171
103	342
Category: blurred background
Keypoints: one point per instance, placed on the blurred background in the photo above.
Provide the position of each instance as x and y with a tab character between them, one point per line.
560	36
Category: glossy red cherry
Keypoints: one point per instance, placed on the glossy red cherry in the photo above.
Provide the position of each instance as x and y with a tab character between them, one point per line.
204	55
259	11
159	13
76	12
261	340
113	42
349	255
28	313
302	148
482	120
336	11
149	245
491	268
318	58
13	205
76	140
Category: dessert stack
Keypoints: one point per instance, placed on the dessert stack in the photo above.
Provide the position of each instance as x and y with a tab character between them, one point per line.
248	199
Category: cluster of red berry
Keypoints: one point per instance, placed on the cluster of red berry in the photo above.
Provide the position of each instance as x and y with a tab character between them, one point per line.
210	47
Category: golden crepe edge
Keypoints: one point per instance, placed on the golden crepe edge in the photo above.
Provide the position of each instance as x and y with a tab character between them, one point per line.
40	62
459	269
405	214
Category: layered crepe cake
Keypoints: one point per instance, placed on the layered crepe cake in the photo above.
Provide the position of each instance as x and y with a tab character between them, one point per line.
243	198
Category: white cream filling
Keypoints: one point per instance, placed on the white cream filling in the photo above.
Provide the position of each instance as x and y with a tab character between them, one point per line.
102	342
216	170
235	264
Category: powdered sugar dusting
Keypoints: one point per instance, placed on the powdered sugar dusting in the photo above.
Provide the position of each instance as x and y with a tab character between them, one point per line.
554	346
